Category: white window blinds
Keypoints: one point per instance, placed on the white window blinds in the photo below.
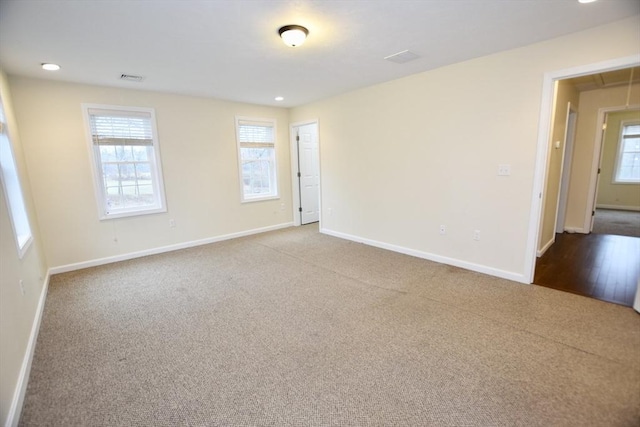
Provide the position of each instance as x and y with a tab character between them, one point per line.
255	134
120	128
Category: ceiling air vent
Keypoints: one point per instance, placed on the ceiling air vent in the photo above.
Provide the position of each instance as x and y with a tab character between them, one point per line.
131	78
402	57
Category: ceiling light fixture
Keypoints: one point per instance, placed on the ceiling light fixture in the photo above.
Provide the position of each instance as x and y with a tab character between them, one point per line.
293	35
50	67
586	1
279	98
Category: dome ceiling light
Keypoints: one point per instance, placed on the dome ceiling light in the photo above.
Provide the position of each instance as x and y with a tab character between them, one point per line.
293	35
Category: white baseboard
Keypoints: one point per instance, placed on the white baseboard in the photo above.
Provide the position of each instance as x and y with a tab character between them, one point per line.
23	378
545	247
163	249
575	230
516	277
619	208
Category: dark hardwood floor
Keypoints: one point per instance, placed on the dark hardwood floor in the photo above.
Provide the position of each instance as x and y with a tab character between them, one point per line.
601	266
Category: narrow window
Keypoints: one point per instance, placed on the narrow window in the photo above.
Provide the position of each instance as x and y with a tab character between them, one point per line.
126	160
628	157
13	190
257	156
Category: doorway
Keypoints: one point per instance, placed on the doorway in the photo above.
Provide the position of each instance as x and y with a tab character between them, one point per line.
601	266
305	148
617	198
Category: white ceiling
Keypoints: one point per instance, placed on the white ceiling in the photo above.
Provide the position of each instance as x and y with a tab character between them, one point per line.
230	49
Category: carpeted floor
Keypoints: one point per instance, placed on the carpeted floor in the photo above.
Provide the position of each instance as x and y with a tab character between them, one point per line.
621	223
296	328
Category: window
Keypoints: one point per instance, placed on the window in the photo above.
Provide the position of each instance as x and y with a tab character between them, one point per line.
126	160
257	156
628	158
13	190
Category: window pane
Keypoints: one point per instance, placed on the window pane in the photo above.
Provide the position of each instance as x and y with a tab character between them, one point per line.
143	171
140	153
631	130
256	153
629	169
127	171
13	192
108	153
145	190
124	153
631	145
257	177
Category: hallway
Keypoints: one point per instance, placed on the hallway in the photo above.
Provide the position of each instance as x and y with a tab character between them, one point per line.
601	266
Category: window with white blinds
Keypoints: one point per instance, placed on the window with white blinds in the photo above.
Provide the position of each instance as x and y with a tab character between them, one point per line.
257	157
126	160
13	190
628	158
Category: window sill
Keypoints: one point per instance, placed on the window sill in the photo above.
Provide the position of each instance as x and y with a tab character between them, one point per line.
24	246
127	214
626	182
259	199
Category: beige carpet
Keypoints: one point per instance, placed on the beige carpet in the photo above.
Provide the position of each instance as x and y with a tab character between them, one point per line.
295	328
621	223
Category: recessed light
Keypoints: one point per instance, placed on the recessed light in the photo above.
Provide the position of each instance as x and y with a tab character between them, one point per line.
50	67
586	1
279	98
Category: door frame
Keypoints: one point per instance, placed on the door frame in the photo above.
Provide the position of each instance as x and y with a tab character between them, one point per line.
544	133
295	182
603	114
567	159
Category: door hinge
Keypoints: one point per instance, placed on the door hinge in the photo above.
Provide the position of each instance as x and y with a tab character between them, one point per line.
593	213
299	175
300	209
297	138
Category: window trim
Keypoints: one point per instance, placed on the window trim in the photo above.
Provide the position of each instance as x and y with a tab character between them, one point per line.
614	177
96	170
22	244
275	194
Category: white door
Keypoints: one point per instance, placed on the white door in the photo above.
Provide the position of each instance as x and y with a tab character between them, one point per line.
309	172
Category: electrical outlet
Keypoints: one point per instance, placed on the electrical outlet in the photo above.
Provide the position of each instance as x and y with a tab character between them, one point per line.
172	223
21	287
476	235
443	229
504	170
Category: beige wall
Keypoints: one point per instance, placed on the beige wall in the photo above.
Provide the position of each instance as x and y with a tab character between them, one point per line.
199	160
610	195
565	93
17	311
400	158
579	201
